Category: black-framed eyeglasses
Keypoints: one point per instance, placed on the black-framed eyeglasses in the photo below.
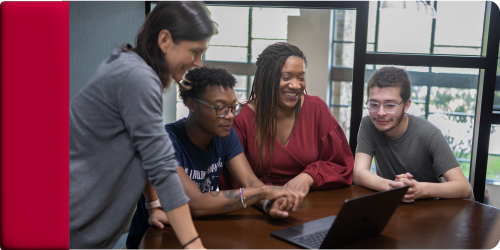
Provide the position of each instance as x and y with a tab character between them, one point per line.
388	107
222	111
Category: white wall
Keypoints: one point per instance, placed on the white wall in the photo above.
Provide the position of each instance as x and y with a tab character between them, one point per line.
169	105
311	32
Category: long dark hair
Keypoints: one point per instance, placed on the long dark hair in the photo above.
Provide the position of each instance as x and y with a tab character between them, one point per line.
184	20
265	94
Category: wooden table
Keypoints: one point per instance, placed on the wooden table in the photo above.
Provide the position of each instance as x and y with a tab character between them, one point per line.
430	223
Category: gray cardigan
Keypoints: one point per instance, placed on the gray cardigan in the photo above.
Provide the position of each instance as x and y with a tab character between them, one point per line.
118	142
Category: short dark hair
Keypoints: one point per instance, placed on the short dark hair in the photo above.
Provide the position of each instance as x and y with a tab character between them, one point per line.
197	81
391	76
184	20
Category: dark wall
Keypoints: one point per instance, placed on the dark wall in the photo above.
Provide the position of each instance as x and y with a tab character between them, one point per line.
95	28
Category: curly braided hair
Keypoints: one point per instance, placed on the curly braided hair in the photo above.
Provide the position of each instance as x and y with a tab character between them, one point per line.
265	94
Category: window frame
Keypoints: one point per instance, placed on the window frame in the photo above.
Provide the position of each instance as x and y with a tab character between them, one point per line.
486	62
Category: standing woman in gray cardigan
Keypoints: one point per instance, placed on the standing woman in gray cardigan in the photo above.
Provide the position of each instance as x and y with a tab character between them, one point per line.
117	138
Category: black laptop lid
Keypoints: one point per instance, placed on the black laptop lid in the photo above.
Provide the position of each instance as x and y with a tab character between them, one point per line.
363	217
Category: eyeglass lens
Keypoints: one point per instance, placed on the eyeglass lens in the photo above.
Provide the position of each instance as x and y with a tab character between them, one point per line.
235	109
375	107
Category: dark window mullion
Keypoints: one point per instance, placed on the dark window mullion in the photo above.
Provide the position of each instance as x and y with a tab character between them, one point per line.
277	39
433	32
148	7
249	55
250	19
377	20
427	101
329	94
249	86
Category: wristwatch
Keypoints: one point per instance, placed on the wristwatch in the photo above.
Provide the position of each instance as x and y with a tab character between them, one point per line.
264	207
152	204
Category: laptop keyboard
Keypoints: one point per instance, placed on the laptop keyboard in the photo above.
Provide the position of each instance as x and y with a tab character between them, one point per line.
312	240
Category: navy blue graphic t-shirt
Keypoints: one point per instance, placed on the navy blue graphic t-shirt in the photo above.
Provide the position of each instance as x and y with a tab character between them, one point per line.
203	166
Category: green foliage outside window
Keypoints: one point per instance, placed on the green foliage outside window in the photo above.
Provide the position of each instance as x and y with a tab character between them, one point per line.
498	66
493	170
454	116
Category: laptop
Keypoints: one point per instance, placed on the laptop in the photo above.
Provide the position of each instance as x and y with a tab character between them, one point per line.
358	218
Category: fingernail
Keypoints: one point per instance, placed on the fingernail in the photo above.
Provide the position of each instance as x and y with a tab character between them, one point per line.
285	214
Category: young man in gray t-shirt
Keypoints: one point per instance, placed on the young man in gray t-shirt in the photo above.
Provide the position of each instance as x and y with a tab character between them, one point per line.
408	150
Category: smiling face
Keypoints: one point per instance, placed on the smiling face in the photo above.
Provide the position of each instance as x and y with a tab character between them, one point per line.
206	116
184	56
181	56
292	83
383	121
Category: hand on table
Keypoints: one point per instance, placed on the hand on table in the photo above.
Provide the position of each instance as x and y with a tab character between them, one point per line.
294	198
405	180
302	183
278	208
157	217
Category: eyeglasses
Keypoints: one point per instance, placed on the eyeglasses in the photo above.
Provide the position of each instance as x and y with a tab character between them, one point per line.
222	111
388	107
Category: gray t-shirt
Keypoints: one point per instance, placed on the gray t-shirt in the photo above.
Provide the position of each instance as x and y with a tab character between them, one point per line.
421	150
118	141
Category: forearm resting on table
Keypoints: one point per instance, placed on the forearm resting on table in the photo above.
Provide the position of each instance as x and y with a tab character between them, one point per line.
450	189
215	202
365	178
257	183
253	181
223	202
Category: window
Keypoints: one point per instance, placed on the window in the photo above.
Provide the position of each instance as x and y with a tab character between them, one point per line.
455	34
427	31
231	43
408	27
446	96
492	189
232	48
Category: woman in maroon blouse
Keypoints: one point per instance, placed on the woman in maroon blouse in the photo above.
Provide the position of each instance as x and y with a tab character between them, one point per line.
290	138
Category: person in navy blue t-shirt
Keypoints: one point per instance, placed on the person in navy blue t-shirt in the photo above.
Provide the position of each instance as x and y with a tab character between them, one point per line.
204	142
203	166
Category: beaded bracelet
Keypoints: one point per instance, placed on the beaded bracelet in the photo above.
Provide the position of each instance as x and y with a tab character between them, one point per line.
242	198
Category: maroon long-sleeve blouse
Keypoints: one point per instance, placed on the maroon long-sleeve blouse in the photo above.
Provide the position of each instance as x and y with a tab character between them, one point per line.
318	146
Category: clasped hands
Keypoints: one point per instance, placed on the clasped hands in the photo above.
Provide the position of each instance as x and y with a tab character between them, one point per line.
300	186
414	192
